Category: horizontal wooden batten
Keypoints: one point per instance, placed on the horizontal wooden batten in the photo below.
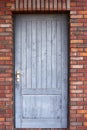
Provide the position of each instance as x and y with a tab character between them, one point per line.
50	122
39	91
41	5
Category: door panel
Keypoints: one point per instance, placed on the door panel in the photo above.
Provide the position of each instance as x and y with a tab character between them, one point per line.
41	106
41	66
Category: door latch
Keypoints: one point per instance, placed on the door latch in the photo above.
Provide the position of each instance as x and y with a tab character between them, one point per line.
18	75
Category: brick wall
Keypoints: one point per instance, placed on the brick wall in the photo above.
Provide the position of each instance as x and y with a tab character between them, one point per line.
77	64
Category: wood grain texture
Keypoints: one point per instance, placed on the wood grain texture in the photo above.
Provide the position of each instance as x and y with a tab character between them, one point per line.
54	56
18	67
35	106
41	58
23	54
49	54
64	30
33	60
29	56
39	46
58	56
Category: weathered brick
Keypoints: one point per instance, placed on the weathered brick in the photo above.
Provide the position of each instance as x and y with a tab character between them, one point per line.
76	66
82	111
38	5
76	99
59	5
76	107
25	4
76	24
55	4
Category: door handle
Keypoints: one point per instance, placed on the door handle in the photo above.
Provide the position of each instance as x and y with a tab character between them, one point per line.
18	75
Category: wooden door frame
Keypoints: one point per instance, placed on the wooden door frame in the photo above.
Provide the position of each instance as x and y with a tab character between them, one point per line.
45	13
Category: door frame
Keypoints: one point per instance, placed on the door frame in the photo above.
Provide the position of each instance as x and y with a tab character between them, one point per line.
45	13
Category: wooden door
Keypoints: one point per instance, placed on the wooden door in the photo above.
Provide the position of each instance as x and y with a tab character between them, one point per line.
41	71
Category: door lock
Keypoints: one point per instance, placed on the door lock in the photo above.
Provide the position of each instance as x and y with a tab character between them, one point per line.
18	75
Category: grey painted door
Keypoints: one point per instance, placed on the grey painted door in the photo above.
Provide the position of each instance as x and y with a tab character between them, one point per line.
41	71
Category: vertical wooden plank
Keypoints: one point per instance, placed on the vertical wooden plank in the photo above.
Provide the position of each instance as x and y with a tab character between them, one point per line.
33	54
24	54
39	54
58	55
54	42
43	54
49	50
68	4
28	51
17	68
64	83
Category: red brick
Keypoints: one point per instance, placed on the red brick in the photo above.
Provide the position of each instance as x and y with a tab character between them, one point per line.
76	41
85	115
82	119
73	4
2	119
82	12
76	91
76	99
76	24
38	4
46	5
55	4
82	111
51	4
21	5
25	4
17	4
82	128
76	107
76	66
59	5
85	123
